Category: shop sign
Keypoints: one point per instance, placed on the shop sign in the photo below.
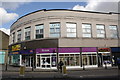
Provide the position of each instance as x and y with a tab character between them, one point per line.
103	49
115	49
105	54
46	50
89	49
26	52
69	50
15	53
16	47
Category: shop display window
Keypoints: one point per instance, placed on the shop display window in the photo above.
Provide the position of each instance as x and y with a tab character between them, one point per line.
70	59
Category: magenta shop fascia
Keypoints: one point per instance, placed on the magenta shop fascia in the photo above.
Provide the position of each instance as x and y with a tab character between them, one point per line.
66	50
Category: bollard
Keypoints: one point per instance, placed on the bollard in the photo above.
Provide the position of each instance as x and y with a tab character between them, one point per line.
105	66
83	67
22	71
64	71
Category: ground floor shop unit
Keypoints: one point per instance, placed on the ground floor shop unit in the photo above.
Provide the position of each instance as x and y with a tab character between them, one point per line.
72	57
115	55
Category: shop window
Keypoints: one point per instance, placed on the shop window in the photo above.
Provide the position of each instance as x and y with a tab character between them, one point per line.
86	29
19	35
16	60
54	30
39	31
70	59
38	60
113	31
100	31
89	59
71	29
27	33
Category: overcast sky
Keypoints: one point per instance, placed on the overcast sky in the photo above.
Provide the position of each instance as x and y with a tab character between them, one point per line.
11	11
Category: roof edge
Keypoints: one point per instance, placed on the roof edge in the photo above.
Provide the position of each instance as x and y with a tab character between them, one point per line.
65	10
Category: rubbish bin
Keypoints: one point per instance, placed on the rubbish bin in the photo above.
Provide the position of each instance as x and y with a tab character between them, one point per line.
64	71
22	70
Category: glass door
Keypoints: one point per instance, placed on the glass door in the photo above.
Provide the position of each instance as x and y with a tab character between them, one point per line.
29	61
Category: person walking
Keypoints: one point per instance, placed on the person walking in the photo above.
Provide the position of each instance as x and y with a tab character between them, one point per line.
60	65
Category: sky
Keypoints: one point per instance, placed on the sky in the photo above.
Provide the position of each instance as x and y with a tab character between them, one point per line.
10	10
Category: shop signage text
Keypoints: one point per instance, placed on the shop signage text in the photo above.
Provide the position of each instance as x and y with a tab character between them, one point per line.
16	47
103	49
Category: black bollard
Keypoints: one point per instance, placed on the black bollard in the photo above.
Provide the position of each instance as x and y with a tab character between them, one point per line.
105	65
83	67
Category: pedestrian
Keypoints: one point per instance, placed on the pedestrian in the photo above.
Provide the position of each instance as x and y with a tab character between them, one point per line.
60	65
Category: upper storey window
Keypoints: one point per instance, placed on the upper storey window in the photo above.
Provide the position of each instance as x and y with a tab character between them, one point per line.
54	30
27	33
19	35
100	31
71	29
113	31
13	37
86	29
39	31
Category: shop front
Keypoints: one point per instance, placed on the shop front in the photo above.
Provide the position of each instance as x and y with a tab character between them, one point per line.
115	55
89	57
70	57
2	56
27	58
104	57
14	55
14	58
46	58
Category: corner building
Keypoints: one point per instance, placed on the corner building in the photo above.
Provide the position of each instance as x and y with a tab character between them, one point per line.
79	38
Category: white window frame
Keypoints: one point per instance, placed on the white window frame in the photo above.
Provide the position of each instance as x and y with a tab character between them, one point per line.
87	30
39	30
71	29
55	32
100	30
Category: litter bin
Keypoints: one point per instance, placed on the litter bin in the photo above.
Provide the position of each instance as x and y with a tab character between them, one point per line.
64	71
22	70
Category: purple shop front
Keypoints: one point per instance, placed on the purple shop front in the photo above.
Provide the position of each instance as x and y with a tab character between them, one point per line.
66	50
89	49
46	50
69	50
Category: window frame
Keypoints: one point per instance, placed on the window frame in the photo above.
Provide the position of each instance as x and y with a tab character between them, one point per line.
98	29
111	31
71	30
27	32
87	29
19	35
55	31
39	31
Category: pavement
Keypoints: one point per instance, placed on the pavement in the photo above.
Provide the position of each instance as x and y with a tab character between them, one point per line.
12	73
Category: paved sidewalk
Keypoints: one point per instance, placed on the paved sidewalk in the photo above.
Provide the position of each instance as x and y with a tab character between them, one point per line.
16	69
111	72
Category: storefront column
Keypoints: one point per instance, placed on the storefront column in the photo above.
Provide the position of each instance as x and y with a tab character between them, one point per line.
20	60
57	55
111	57
81	57
97	58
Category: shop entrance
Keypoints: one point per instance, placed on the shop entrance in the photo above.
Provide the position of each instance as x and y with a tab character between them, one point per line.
27	60
104	57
